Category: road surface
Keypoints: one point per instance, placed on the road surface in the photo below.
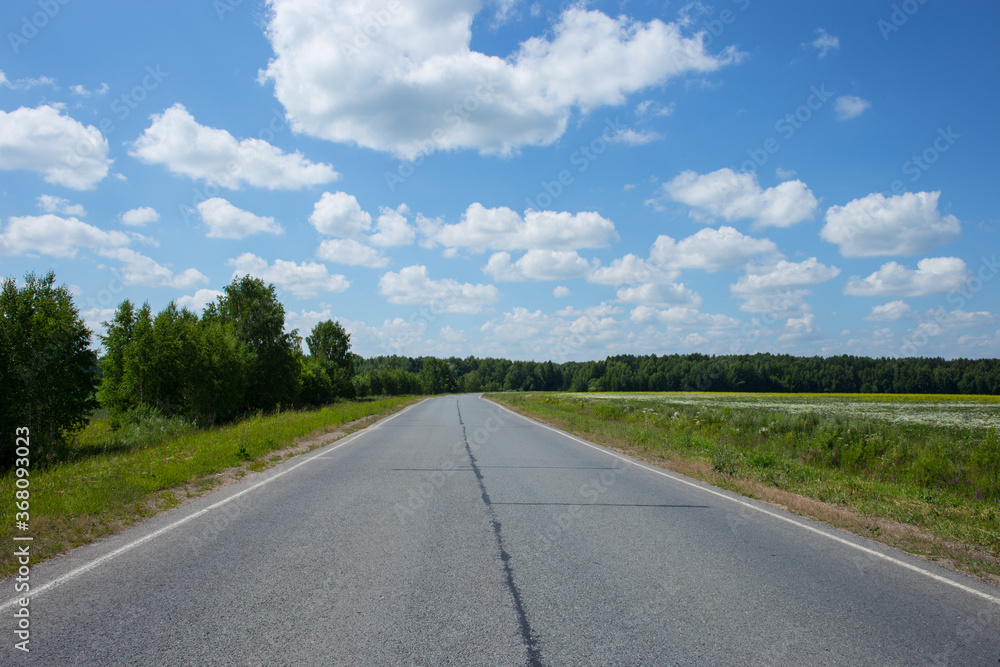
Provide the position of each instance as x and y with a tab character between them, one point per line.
457	533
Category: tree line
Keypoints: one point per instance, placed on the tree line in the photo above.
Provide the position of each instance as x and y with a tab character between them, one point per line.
761	372
236	358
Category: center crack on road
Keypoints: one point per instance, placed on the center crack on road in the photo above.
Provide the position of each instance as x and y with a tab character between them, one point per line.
527	635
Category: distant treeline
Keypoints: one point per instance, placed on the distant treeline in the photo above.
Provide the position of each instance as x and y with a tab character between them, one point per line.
699	372
236	358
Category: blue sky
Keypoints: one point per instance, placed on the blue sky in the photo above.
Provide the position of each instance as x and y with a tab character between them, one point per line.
508	178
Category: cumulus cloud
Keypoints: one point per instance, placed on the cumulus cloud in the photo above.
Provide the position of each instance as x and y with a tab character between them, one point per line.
226	221
893	311
392	229
412	285
850	106
570	333
825	43
60	237
906	224
340	214
418	86
52	204
351	252
52	235
658	294
561	291
176	140
537	265
784	275
682	318
196	302
734	195
49	142
138	269
303	280
502	228
933	275
137	217
628	270
711	250
781	288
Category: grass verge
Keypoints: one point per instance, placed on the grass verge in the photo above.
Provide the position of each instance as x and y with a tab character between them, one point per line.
113	479
928	490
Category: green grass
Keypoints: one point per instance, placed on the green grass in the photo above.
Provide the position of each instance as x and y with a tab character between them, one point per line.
111	479
944	480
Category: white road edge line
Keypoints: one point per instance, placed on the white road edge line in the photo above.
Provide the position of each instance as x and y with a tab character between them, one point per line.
968	589
73	574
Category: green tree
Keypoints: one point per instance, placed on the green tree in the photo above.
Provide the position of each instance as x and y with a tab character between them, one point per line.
112	394
258	319
436	377
47	369
330	345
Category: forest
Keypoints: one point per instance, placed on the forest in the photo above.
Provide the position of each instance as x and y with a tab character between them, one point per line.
237	359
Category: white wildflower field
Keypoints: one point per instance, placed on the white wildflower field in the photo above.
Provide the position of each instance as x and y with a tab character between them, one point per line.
932	410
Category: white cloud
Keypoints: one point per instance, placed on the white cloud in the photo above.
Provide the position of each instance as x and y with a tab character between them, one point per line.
176	140
893	311
906	224
711	249
196	302
933	275
303	280
412	285
417	86
52	235
83	92
784	174
392	228
225	221
138	269
631	137
137	217
825	43
659	294
55	236
628	270
503	229
655	108
850	106
733	196
561	291
570	334
781	303
44	140
340	214
784	275
683	318
51	204
537	265
349	251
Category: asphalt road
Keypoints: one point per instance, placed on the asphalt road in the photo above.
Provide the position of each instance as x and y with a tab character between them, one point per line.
456	533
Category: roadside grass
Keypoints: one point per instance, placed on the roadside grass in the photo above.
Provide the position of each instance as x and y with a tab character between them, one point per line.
111	479
932	490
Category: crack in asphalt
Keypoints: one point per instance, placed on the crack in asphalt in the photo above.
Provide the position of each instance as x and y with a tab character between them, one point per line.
527	634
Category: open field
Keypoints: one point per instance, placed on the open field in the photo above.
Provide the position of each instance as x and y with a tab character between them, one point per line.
931	409
114	478
919	472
